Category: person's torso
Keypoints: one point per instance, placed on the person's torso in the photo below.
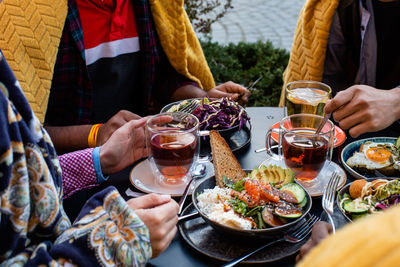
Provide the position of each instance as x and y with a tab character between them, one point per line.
111	44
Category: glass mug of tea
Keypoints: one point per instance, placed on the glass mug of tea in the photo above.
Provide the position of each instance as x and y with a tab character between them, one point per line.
172	139
303	151
307	97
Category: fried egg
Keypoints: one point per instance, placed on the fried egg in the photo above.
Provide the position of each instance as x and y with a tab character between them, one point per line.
373	156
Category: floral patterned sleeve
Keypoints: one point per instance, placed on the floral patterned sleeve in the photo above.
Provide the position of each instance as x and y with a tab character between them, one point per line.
106	231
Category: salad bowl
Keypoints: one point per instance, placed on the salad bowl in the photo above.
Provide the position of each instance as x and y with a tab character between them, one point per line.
345	190
267	233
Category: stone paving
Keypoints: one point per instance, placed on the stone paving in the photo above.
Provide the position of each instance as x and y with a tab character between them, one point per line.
253	20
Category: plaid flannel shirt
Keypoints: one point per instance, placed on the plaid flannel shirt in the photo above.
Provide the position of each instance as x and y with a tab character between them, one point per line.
70	100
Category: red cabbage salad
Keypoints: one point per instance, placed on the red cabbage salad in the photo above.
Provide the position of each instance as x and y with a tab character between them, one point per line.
219	114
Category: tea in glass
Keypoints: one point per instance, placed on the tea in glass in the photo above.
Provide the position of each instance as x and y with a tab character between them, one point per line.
173	153
173	142
302	150
305	153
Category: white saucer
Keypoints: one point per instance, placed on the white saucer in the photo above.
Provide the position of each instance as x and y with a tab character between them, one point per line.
145	179
315	187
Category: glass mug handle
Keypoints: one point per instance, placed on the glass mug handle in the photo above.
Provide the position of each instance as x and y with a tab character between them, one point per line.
269	146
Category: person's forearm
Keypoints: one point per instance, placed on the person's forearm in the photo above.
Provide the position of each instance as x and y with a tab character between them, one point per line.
69	138
396	97
188	91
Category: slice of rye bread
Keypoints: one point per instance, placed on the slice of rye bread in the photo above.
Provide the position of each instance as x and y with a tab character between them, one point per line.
225	163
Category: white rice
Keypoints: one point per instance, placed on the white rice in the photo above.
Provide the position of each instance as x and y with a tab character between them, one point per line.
212	202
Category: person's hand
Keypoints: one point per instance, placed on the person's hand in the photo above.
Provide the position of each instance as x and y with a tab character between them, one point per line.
125	146
231	90
108	128
160	214
362	109
319	232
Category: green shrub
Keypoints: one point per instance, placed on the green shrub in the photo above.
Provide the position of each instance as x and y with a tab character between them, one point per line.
243	63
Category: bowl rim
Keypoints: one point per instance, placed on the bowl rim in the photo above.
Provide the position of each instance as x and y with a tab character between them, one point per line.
345	189
251	231
358	143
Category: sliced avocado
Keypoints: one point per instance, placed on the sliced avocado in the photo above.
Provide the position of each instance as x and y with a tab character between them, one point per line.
269	218
289	176
255	174
275	174
303	203
263	173
292	193
289	213
351	207
281	176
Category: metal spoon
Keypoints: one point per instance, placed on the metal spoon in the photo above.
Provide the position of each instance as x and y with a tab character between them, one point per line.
198	172
326	117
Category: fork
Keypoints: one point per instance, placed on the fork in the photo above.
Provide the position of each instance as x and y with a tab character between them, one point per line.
293	236
189	108
328	198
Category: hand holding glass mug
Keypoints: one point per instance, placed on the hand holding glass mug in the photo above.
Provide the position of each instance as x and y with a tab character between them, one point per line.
303	151
173	142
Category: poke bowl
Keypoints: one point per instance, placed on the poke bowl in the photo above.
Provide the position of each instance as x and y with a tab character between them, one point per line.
266	233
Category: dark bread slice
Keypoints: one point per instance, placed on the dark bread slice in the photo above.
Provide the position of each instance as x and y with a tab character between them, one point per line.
225	163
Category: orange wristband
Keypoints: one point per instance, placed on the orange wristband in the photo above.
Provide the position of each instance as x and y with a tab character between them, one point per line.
92	138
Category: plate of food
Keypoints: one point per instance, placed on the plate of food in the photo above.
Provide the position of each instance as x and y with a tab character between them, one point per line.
224	115
340	135
239	204
207	241
372	157
368	196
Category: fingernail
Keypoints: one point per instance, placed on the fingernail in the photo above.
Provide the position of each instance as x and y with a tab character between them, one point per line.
165	197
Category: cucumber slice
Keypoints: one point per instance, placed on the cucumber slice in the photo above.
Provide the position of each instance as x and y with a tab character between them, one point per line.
351	208
303	203
292	193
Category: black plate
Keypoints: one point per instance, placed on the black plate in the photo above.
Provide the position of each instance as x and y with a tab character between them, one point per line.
203	238
238	141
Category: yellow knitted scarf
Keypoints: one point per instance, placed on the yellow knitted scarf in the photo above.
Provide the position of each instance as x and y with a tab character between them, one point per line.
307	55
31	32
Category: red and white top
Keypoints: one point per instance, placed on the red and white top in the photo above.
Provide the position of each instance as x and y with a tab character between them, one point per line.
109	28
